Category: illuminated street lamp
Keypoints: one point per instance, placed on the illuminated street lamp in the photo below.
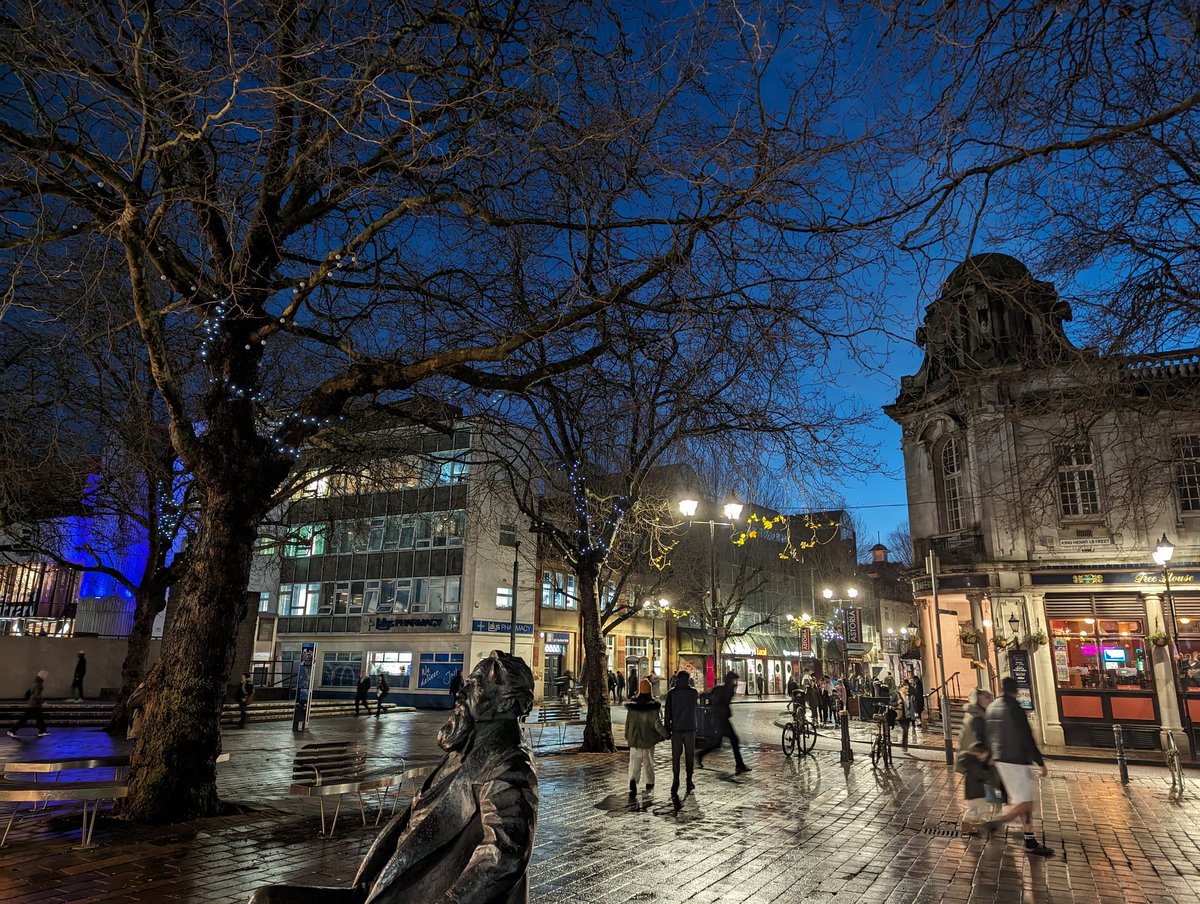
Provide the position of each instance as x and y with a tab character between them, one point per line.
1163	554
851	593
652	609
732	512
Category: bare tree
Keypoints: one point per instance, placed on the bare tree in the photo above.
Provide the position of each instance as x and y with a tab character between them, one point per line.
333	199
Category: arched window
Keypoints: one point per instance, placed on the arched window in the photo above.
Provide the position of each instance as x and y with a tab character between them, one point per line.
950	483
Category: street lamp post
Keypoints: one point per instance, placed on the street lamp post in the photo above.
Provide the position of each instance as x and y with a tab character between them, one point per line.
801	622
1162	556
653	610
847	755
732	511
991	641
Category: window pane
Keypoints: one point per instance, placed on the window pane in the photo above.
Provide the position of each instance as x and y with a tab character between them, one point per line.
1187	472
1107	654
340	669
504	597
1078	493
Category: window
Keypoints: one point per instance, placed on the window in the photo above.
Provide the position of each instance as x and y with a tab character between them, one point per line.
299	599
341	669
313	485
446	528
305	540
1187	471
1101	653
508	535
450	471
951	464
504	597
437	594
1077	489
396	665
558	590
264	601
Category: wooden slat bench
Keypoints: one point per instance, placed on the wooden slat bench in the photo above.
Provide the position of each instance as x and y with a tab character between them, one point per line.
337	768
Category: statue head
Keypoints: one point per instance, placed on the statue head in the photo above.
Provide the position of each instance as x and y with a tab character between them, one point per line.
499	689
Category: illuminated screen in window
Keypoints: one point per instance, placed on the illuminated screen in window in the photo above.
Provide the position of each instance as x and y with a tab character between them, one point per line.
1112	654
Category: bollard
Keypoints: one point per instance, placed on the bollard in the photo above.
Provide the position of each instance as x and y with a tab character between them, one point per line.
847	753
1119	738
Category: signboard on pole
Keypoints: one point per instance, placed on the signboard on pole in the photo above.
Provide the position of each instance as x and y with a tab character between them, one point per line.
304	685
806	640
1018	667
853	619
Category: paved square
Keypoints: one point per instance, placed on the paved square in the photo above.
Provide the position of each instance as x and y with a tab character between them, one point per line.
790	831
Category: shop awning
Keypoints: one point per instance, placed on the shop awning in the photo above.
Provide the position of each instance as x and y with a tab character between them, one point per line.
751	645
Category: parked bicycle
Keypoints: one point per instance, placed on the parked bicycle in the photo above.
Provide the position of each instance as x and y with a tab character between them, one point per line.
881	747
800	734
1174	761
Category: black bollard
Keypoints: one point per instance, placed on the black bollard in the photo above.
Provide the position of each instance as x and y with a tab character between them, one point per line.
847	754
1119	738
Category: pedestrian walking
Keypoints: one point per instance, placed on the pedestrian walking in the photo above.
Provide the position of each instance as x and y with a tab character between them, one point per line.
80	671
643	729
917	689
33	706
974	723
456	685
620	679
381	693
762	686
720	701
612	686
902	702
792	686
680	719
1014	754
974	764
362	694
245	693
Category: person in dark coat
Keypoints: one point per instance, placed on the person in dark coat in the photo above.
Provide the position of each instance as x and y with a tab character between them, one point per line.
974	764
381	694
620	686
917	689
720	701
80	671
362	694
612	686
245	693
680	719
1015	755
33	706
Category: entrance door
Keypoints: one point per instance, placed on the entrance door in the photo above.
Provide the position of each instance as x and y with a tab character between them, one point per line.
554	670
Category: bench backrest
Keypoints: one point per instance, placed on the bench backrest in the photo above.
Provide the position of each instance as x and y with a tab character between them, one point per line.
326	764
558	712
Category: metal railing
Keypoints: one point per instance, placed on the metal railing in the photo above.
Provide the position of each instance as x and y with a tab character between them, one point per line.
957	688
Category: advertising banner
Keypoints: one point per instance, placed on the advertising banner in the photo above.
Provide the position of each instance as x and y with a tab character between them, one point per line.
304	684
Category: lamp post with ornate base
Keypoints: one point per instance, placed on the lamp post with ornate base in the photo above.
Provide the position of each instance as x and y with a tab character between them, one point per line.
1162	556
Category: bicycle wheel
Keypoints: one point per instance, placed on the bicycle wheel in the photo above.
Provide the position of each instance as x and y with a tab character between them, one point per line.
887	753
808	738
789	740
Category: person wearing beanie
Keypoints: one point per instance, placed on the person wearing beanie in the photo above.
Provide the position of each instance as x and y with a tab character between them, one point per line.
642	730
682	701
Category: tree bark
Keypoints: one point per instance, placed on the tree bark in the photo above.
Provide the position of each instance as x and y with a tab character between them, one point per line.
598	731
148	603
172	775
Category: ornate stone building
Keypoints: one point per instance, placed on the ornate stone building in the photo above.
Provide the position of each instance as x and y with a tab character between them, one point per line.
1042	476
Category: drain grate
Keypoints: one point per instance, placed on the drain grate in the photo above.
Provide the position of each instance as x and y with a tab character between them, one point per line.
943	830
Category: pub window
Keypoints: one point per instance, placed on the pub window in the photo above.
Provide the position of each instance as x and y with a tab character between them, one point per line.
1187	471
1078	491
1101	653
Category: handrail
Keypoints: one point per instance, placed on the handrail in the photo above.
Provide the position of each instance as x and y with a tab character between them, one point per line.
953	678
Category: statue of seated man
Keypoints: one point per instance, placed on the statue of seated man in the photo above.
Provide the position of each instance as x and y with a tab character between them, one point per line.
468	833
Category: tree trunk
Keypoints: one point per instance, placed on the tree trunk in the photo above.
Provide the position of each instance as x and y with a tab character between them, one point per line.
148	603
172	775
598	732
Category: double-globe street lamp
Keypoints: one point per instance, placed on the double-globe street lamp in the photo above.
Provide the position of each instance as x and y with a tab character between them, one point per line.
799	623
732	511
652	609
847	755
1163	554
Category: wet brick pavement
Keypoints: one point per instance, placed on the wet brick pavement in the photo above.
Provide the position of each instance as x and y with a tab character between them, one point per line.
792	830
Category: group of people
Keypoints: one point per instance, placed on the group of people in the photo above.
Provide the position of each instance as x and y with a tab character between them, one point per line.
997	756
649	722
362	693
35	696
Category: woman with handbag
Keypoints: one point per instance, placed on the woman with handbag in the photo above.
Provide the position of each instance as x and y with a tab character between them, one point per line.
643	729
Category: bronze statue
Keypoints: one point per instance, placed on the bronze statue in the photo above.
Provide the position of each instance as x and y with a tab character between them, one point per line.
468	833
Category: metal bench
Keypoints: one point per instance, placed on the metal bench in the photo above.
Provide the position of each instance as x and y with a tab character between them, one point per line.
17	791
335	769
553	714
416	776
